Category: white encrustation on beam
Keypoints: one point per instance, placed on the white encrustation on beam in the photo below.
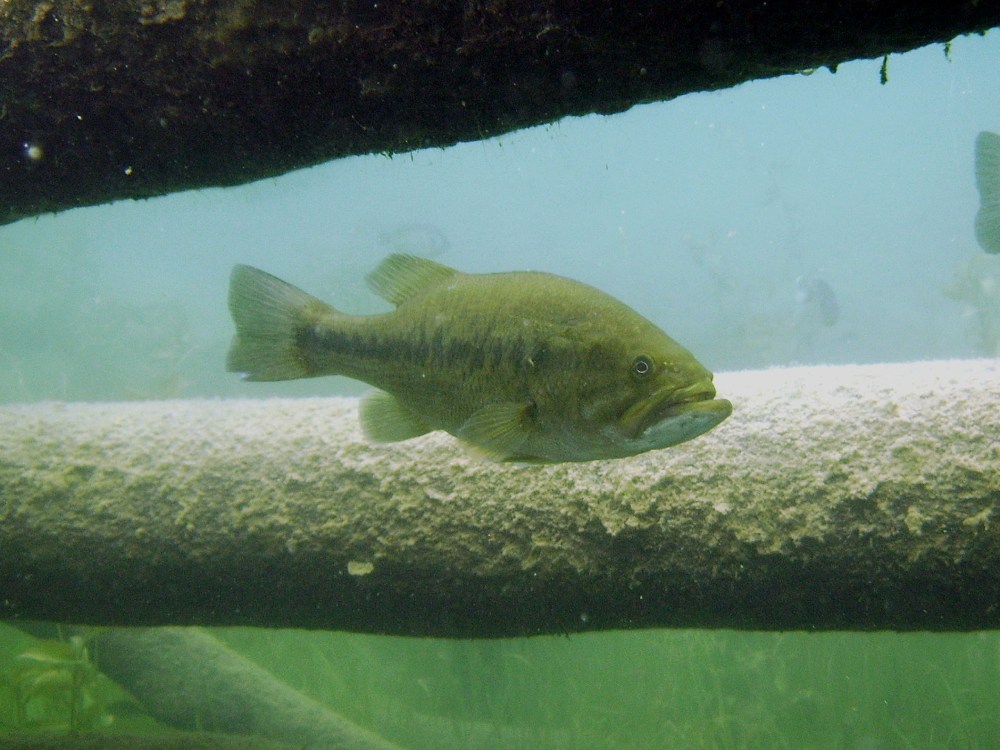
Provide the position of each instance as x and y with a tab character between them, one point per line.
835	497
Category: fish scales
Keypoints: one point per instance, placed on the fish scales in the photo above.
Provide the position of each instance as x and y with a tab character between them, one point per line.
415	349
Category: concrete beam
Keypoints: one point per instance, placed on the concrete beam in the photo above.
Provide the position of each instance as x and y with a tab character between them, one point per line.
860	497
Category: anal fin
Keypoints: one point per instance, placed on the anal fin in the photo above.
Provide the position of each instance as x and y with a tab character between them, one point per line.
385	420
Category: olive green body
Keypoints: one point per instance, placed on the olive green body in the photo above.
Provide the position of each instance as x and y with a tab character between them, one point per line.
521	366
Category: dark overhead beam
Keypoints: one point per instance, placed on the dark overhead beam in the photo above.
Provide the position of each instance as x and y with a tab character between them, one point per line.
137	98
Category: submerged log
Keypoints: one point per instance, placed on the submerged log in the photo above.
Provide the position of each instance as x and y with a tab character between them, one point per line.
190	680
834	498
187	678
136	98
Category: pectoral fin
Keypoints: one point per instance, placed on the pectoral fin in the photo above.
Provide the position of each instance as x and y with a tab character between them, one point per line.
497	431
385	420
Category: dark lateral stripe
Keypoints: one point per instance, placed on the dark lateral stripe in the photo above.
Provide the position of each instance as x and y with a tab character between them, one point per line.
321	346
326	349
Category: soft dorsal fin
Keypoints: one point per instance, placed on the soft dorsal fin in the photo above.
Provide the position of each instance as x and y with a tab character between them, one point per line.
401	276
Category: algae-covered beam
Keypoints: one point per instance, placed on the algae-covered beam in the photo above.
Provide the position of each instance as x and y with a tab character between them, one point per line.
833	498
136	98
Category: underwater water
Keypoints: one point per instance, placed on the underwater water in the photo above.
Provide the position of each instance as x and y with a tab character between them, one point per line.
821	218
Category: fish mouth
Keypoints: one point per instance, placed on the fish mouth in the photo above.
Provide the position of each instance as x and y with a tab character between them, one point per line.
673	415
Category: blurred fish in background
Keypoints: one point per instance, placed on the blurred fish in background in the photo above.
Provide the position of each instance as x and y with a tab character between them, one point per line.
976	287
816	309
988	183
976	283
424	240
814	298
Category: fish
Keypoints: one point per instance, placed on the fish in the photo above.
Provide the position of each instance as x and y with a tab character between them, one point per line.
424	240
815	302
988	184
520	366
816	309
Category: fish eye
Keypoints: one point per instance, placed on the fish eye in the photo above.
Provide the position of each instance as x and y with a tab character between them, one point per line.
642	366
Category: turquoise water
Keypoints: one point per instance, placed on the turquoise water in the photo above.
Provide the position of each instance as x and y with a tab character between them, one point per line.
705	214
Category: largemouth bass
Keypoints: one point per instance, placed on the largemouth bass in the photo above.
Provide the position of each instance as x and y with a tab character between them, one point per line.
520	366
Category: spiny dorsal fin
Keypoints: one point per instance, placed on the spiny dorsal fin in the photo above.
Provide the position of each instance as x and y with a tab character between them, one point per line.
401	276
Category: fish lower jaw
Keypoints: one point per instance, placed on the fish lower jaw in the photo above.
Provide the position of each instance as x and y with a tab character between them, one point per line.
668	404
683	421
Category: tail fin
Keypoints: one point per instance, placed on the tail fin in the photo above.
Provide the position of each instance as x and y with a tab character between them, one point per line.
270	315
988	182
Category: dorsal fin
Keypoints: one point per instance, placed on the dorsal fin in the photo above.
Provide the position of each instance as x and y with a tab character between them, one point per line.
401	276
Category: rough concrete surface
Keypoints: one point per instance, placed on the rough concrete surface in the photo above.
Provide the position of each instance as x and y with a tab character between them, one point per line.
857	497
